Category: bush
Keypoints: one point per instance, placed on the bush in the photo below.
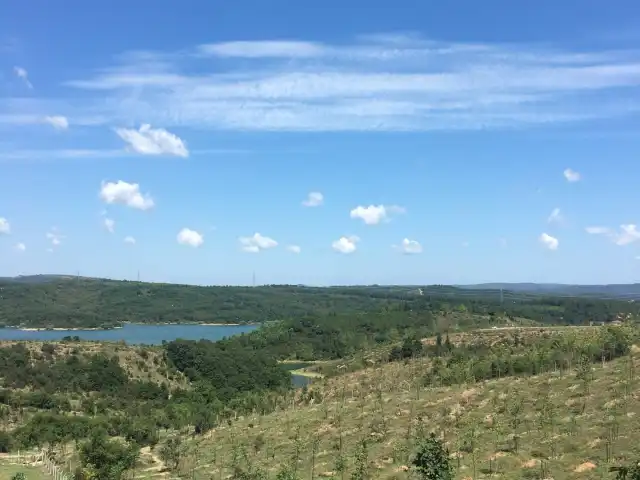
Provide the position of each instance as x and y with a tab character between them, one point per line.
5	442
432	460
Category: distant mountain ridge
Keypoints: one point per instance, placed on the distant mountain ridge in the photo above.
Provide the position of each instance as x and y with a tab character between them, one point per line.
41	278
629	291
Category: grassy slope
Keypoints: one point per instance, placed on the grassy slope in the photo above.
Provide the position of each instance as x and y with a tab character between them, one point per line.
9	466
577	437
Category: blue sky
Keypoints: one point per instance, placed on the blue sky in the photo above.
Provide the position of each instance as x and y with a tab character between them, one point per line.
450	142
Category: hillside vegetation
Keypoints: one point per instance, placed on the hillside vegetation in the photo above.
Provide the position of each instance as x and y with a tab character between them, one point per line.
519	403
68	302
626	291
94	303
108	411
563	408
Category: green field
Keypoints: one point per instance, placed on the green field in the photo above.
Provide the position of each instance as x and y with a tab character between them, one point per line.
8	470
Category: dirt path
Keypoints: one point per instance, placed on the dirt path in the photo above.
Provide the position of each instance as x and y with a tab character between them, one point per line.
158	469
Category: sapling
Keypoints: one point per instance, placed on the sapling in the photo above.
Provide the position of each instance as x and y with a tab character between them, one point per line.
297	449
380	402
514	410
360	461
432	460
469	446
584	374
341	463
314	451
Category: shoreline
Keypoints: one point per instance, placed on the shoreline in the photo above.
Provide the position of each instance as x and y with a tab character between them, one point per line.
203	324
99	329
62	329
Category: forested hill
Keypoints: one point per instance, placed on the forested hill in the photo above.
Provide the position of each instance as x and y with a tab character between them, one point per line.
64	301
53	301
622	291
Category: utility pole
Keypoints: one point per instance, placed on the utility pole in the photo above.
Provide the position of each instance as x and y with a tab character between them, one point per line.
501	297
254	278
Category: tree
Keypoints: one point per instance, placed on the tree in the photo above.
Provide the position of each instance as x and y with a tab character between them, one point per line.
107	459
286	473
631	472
361	461
431	460
6	442
19	476
514	409
171	452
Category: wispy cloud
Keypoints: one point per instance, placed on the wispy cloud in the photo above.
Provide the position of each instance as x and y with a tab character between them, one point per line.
555	216
627	234
23	75
264	49
44	155
153	141
382	82
64	154
571	175
58	122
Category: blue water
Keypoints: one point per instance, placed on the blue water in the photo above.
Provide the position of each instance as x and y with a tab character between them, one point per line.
143	334
134	333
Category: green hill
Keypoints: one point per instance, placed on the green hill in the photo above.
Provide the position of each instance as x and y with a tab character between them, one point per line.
71	302
512	403
88	302
571	420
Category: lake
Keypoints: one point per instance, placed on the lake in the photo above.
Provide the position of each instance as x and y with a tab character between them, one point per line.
137	334
134	333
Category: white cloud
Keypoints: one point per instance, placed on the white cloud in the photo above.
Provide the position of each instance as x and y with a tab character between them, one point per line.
21	247
130	240
294	248
189	237
54	236
64	154
409	247
314	199
549	242
345	244
627	234
374	214
372	83
256	243
125	193
598	230
153	141
555	216
262	49
23	75
571	175
58	122
5	226
109	224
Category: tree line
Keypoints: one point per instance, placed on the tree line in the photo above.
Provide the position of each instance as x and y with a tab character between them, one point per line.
100	303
